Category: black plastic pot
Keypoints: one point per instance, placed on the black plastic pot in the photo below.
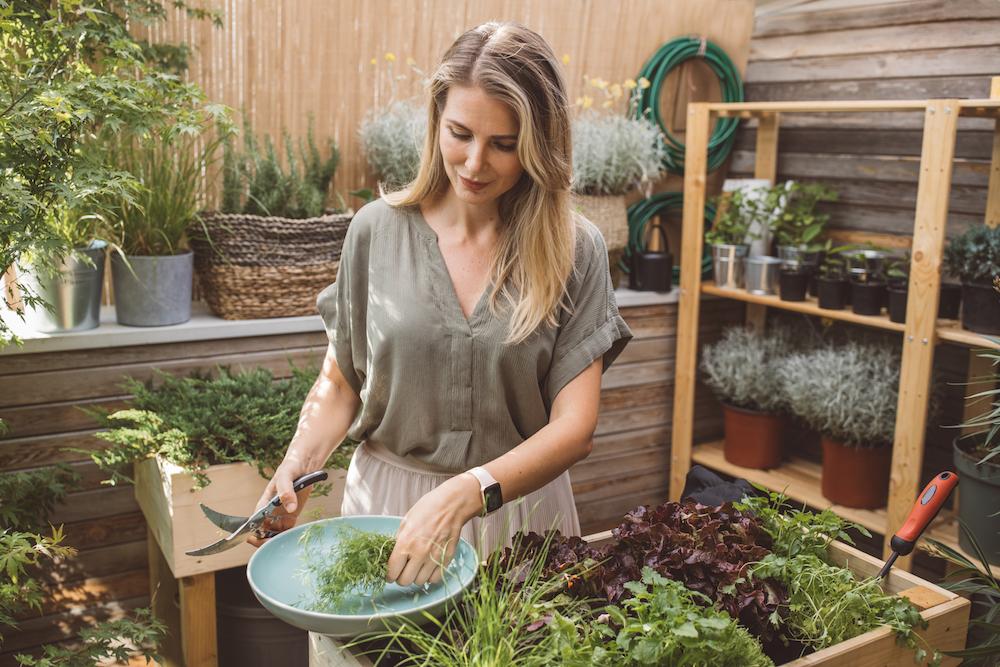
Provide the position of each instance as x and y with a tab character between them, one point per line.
792	285
867	298
978	500
951	299
981	309
897	304
833	293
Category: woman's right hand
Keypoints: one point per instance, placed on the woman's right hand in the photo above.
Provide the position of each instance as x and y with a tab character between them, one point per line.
285	515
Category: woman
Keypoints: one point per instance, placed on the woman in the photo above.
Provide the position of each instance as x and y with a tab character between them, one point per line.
470	322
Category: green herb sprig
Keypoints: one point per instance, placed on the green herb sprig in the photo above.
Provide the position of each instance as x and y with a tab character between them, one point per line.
358	561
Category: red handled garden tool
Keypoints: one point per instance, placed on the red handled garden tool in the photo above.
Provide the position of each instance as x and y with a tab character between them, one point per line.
924	510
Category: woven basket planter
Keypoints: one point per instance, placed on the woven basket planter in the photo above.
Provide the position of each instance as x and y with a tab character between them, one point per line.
260	267
608	213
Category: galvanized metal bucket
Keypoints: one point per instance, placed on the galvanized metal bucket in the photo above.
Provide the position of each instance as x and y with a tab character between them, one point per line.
727	265
762	274
155	291
74	291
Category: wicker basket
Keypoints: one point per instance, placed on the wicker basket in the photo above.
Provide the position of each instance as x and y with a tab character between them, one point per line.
260	267
608	213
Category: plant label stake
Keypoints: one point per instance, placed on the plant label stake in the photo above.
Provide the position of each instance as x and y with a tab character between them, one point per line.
924	510
241	527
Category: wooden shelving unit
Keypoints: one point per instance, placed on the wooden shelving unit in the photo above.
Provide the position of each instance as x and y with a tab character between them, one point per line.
800	479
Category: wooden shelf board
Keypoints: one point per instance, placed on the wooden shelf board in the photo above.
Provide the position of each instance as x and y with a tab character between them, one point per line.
809	307
945	530
797	478
819	106
952	331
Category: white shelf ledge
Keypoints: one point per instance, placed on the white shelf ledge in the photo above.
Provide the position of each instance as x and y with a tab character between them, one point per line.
203	325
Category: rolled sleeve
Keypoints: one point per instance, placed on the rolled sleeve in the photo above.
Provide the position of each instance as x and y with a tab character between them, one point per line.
593	329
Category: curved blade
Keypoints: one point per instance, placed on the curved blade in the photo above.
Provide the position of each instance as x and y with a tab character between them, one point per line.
239	536
226	522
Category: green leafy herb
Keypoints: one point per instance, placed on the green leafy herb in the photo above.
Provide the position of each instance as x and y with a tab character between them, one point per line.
358	561
664	623
796	222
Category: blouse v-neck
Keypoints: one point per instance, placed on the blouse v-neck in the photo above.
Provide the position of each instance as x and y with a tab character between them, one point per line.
445	281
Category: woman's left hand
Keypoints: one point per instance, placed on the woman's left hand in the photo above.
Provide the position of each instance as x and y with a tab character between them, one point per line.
428	535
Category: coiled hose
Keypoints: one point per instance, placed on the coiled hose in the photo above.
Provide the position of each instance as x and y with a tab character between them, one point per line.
639	215
666	58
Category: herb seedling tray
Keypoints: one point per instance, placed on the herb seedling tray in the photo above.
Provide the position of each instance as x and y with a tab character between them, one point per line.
946	613
165	493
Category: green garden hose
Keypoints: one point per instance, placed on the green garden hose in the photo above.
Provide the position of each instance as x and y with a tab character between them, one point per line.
669	56
639	215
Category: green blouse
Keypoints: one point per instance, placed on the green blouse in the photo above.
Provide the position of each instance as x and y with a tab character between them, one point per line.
437	387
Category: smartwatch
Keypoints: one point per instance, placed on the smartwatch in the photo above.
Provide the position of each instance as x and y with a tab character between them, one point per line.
489	488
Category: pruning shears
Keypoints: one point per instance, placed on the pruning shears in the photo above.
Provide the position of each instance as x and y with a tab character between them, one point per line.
242	527
924	510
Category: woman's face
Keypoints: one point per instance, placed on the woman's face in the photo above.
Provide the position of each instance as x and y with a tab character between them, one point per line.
478	140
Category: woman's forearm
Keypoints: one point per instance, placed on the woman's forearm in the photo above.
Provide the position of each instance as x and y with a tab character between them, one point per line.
326	416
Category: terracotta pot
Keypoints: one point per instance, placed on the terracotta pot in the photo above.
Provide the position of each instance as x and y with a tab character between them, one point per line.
753	439
855	476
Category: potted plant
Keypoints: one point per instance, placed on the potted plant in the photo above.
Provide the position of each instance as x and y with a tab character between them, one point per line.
740	371
866	269
833	290
729	236
611	156
974	257
848	394
977	460
392	139
274	244
66	286
152	264
898	285
797	228
211	440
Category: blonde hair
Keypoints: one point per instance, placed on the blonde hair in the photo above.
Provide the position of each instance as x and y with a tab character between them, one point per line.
534	258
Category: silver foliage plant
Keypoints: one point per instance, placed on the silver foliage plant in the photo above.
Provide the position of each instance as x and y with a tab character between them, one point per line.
847	392
393	138
611	154
740	368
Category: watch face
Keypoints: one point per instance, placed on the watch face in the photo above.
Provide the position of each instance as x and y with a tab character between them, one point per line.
494	499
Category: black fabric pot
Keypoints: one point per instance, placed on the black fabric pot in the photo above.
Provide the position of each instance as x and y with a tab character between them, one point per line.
979	498
832	293
867	298
951	299
897	304
981	308
792	285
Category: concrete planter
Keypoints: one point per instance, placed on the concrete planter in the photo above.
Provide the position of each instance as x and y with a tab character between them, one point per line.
155	291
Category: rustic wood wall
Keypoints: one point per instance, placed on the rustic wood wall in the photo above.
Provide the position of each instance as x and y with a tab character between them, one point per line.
876	50
40	397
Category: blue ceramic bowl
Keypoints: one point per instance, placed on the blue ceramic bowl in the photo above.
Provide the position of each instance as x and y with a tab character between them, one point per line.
276	576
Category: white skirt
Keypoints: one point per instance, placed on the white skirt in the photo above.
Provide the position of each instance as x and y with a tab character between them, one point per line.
382	483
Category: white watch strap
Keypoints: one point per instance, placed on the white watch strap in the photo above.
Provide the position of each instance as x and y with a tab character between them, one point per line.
486	480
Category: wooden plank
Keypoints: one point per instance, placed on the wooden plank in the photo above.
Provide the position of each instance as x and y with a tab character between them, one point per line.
135	354
809	307
757	107
692	239
99	562
87	383
867	14
73	596
878	39
854	237
872	89
891	220
56	417
164	592
106	502
921	313
105	531
198	631
960	62
635	396
647	349
817	165
39	450
628	375
48	629
838	136
993	198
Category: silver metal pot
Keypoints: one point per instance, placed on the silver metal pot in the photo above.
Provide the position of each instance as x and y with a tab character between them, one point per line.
796	257
866	265
74	291
155	292
762	274
727	265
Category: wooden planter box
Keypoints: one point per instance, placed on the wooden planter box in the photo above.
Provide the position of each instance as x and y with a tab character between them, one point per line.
946	613
164	493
